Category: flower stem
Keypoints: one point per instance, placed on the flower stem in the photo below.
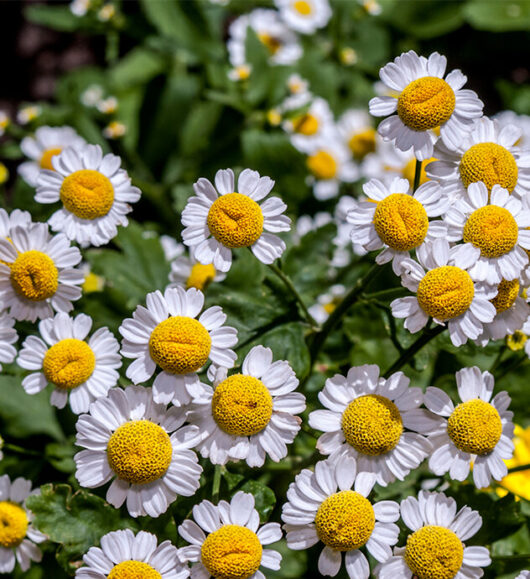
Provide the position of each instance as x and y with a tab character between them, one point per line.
519	468
290	286
216	483
417	175
410	352
20	450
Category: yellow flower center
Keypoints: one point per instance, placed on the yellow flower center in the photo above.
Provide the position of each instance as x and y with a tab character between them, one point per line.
69	363
87	194
345	521
401	221
372	424
180	345
13	524
490	163
303	7
516	341
34	275
306	125
273	44
133	570
426	103
492	229
507	292
322	165
445	292
92	283
409	171
139	452
231	552
362	143
242	405
475	427
46	159
235	220
201	276
434	552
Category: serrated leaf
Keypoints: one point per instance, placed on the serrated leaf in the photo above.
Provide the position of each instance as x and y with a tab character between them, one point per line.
264	497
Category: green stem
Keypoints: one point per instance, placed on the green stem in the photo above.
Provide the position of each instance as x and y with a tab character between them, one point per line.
216	484
20	450
335	317
497	361
519	468
417	175
290	286
410	352
387	294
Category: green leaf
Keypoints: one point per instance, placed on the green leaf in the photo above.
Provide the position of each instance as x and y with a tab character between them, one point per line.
54	17
61	456
137	67
498	16
76	521
264	497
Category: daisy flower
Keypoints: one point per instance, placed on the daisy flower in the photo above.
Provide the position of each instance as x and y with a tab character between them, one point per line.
476	431
304	16
8	336
227	541
357	131
187	272
251	414
28	114
10	220
281	42
444	292
326	303
94	191
142	446
306	128
36	273
80	370
397	219
494	228
18	536
344	519
436	546
523	121
523	575
167	334
5	121
424	101
217	219
489	154
124	554
371	419
47	143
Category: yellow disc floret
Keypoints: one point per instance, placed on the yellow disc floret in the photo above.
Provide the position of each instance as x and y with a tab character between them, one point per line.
46	159
506	295
87	194
139	451
180	345
516	341
409	171
242	405
235	220
303	7
426	103
445	292
490	163
362	143
492	229
201	276
231	552
133	570
401	221
434	552
475	427
69	363
273	44
372	424
345	521
13	524
34	276
322	165
306	125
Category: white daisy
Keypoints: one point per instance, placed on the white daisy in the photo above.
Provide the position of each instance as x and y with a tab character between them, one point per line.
5	121
8	336
397	219
281	42
232	547
217	219
326	303
371	419
436	547
94	191
522	121
142	446
47	143
80	370
251	414
356	129
187	272
10	220
304	16
494	227
476	431
18	536
124	554
167	334
306	128
424	101
489	154
444	292
36	273
523	575
344	519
